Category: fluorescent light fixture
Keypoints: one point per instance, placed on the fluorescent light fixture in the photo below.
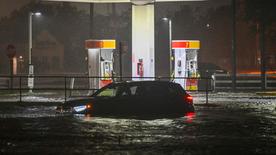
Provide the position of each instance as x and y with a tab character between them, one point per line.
141	2
37	13
177	0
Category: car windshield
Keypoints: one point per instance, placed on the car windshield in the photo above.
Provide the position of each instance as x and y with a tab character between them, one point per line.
117	90
108	92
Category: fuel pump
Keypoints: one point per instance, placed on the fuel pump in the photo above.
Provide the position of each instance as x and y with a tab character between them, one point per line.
100	62
140	68
185	63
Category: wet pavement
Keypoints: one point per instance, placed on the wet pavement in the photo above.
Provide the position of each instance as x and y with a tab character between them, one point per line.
230	124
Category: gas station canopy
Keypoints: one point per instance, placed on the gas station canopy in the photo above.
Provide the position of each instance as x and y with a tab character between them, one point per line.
138	2
102	44
143	30
187	44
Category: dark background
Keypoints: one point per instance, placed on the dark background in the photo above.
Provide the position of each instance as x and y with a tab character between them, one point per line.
70	24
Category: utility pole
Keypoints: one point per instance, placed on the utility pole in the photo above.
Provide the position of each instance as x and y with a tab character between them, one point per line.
234	53
170	46
120	60
169	21
31	66
263	56
91	20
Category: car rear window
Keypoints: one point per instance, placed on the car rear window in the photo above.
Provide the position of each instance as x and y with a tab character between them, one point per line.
176	88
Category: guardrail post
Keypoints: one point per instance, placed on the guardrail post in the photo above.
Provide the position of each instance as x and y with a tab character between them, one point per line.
72	83
20	89
214	82
65	89
207	90
159	78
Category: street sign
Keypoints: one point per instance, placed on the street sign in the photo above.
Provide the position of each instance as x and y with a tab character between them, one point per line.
31	69
30	78
31	82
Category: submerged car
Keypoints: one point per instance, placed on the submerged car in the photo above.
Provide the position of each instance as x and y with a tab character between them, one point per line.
136	98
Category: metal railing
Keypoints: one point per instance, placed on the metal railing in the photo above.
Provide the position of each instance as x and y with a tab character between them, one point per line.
66	85
245	82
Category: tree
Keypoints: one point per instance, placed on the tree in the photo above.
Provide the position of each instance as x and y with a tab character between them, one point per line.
262	14
64	21
259	11
68	25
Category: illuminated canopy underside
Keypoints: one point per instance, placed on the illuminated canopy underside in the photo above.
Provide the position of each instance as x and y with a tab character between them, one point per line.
122	1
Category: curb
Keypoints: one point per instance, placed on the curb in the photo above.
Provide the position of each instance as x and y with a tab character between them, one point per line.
271	93
207	105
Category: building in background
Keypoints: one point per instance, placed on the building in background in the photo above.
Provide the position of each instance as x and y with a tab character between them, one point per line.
48	54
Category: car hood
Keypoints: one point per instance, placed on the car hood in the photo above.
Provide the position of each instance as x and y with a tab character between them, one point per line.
79	98
79	101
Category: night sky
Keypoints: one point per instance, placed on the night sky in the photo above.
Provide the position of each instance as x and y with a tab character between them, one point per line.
7	6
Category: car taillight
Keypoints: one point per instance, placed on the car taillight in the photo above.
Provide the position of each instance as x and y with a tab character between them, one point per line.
190	114
188	98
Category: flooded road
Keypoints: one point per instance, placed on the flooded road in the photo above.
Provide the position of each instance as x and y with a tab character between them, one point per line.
215	129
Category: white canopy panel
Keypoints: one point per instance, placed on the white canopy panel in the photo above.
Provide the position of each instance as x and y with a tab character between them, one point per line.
93	1
121	1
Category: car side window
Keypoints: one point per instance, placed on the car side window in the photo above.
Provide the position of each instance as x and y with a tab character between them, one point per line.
140	91
118	91
133	90
173	90
123	91
155	90
127	91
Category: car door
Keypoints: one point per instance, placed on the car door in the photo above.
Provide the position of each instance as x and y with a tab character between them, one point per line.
105	101
134	100
151	99
121	104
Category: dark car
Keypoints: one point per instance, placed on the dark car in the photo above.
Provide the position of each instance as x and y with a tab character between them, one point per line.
139	98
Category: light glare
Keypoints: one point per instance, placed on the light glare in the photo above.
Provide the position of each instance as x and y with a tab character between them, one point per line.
37	13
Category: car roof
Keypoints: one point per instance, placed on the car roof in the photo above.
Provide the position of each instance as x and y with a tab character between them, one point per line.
144	82
140	83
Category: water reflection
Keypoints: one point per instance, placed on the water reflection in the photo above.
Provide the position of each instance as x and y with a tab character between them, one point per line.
190	116
200	133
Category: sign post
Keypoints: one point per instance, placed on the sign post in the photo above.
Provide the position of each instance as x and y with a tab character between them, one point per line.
11	52
31	78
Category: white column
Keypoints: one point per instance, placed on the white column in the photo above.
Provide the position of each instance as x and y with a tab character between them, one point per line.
180	67
143	39
94	67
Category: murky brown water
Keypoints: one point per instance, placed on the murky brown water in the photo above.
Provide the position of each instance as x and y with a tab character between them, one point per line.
214	130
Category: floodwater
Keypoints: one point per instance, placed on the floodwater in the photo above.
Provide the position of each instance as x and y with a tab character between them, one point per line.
215	129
